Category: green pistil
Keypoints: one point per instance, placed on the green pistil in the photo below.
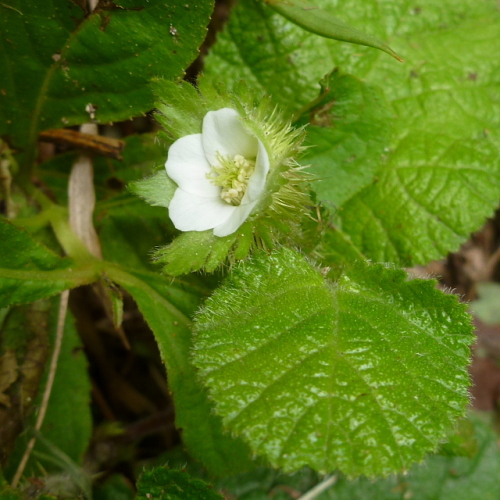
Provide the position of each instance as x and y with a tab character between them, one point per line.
232	176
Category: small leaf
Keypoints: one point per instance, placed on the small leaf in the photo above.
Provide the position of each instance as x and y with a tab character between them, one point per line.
164	484
115	296
180	108
322	23
321	374
156	190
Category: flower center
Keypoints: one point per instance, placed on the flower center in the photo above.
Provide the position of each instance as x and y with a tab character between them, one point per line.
232	175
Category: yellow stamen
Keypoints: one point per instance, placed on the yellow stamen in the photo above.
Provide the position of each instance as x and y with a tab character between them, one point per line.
233	176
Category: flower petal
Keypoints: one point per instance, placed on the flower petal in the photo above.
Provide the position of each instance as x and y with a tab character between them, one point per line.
257	181
190	212
188	167
239	216
224	133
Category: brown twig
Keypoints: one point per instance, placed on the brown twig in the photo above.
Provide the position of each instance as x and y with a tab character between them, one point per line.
104	146
63	308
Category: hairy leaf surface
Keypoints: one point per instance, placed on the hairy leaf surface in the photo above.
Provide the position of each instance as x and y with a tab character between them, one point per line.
365	374
164	484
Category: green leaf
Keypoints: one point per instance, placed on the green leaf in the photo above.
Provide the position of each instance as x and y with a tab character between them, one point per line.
442	176
433	192
321	374
29	271
166	307
68	422
322	23
157	190
349	129
48	48
164	484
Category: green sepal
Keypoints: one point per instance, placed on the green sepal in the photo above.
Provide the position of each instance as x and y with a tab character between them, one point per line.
322	23
157	190
244	242
193	251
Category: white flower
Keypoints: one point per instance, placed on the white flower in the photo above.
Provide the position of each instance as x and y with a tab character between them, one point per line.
221	175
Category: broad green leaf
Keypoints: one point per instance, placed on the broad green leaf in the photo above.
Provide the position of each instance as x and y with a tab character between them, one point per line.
441	178
432	193
438	478
68	422
365	375
48	48
165	484
29	271
320	22
349	129
166	307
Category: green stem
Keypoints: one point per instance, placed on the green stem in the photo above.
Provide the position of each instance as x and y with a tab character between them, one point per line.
57	217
